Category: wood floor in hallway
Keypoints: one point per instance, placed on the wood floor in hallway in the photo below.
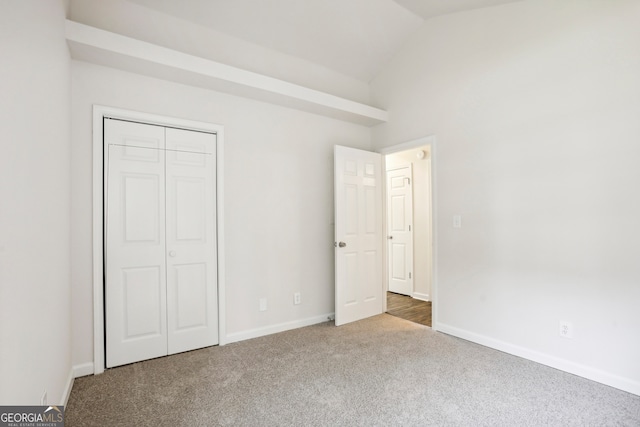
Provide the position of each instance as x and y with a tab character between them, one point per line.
408	308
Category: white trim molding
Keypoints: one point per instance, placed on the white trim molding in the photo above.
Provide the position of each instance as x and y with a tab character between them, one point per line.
67	389
584	371
83	370
421	297
99	112
281	327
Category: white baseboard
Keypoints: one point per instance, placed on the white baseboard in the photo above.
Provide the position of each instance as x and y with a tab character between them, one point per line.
83	370
565	365
274	329
67	389
422	297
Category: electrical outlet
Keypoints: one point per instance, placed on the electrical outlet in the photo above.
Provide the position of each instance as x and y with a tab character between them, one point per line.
263	304
43	399
296	298
566	329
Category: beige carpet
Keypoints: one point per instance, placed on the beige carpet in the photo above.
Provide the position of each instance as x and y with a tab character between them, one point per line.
382	371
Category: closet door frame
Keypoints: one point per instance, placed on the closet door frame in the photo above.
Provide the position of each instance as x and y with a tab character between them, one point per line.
99	113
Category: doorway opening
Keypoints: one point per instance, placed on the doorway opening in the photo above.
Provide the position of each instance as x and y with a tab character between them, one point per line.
408	308
409	230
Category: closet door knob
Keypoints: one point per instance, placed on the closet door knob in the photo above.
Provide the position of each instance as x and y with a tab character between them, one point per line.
172	253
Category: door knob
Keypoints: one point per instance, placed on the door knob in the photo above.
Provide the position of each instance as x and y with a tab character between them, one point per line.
389	237
172	253
342	244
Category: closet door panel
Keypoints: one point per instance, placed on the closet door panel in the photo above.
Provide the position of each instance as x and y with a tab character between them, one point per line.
135	286
191	240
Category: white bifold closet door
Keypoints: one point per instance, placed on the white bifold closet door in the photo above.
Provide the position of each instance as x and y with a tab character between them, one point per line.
161	261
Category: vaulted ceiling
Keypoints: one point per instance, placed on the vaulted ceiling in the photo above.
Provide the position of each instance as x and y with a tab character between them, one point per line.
353	37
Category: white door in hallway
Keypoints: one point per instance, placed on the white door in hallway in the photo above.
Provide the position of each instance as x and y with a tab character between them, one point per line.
160	263
399	230
358	234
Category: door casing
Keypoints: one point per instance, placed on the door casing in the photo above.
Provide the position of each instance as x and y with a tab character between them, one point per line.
99	112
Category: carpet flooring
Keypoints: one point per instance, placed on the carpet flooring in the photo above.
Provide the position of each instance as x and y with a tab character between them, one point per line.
408	308
381	371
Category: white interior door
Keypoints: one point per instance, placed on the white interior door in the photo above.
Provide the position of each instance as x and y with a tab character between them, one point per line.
161	261
358	234
191	240
136	288
399	230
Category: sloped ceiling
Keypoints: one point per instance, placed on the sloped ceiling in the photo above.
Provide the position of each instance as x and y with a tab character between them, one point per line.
431	8
353	37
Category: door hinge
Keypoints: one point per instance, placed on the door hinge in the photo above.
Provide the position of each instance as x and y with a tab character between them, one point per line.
409	228
409	275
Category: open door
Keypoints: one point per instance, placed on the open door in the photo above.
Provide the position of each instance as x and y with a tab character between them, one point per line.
358	234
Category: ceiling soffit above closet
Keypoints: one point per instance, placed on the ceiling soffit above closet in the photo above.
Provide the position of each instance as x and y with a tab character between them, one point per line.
315	55
102	47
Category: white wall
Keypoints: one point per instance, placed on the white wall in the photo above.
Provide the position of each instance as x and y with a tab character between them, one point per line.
35	330
278	196
535	106
422	258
